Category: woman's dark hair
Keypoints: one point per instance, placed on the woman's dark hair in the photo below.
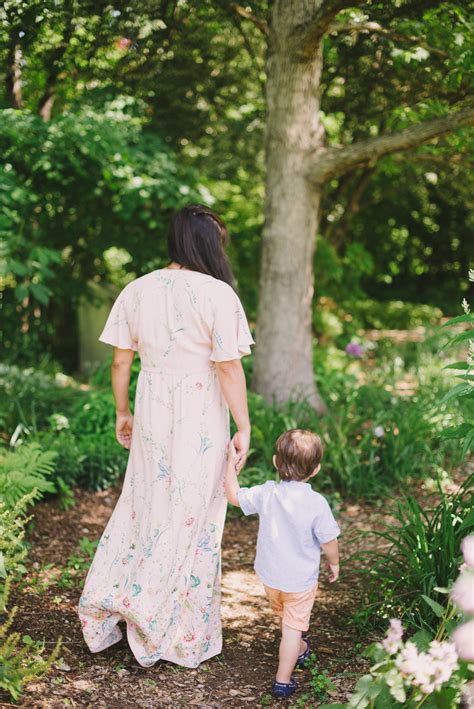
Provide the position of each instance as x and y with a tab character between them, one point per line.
196	240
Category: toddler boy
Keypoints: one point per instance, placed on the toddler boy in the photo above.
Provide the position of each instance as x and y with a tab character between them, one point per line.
295	522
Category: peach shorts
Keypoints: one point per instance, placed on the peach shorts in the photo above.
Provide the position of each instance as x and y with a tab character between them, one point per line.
293	608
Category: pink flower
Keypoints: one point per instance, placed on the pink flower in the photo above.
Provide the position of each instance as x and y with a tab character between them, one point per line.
188	522
463	638
126	602
463	591
393	640
467	547
354	349
198	385
189	637
123	43
406	661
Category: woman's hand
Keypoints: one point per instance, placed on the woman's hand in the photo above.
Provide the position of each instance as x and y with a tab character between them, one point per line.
241	442
123	429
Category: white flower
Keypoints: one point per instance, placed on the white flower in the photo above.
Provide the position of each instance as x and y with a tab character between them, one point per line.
463	638
467	546
393	640
463	591
59	422
379	432
445	661
428	670
407	659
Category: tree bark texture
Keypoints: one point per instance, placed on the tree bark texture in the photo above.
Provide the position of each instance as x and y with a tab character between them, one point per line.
283	362
299	163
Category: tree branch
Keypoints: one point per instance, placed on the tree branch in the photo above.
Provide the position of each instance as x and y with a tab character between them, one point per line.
374	27
332	161
306	34
247	15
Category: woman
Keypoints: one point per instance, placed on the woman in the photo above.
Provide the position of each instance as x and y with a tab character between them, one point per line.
157	566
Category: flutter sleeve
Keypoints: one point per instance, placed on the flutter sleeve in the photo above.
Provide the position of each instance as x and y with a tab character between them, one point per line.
121	328
231	338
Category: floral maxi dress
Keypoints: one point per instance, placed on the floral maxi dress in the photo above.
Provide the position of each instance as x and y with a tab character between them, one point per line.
157	565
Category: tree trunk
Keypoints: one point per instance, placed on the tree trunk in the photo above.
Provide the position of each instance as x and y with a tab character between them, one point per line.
13	76
283	360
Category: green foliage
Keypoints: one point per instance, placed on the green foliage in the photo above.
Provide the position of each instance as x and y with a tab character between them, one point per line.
421	554
76	428
26	471
68	575
408	674
377	434
142	102
29	397
320	685
12	533
464	391
20	657
129	183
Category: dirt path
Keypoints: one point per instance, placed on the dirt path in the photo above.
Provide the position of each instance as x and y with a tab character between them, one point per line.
240	677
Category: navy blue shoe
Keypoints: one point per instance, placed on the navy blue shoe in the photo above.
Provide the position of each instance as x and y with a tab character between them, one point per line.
281	690
304	655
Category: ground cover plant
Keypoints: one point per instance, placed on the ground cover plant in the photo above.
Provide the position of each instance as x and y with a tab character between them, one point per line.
420	559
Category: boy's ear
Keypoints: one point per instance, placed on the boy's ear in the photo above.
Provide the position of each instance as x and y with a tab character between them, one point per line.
315	471
274	461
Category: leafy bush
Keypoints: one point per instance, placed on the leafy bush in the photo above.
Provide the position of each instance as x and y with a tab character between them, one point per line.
75	427
422	671
334	320
392	314
20	660
129	182
12	533
464	391
28	398
25	470
421	554
374	439
94	460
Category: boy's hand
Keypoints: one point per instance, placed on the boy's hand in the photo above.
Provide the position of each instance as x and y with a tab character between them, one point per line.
233	458
241	443
333	572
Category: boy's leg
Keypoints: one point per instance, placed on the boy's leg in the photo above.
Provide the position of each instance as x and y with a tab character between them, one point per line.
290	647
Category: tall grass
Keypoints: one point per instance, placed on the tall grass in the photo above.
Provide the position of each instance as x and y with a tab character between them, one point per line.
421	552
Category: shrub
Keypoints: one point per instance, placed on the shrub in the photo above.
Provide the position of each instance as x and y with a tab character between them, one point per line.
26	470
20	659
374	439
28	398
422	554
464	391
421	671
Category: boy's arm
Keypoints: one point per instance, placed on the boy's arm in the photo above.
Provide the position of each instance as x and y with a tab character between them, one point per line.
331	551
232	486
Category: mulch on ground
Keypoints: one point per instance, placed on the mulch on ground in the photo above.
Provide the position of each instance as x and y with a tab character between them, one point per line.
239	677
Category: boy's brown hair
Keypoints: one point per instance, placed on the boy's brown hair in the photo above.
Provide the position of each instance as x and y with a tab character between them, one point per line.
298	453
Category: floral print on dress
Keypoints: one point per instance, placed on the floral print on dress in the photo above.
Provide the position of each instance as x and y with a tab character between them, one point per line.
157	566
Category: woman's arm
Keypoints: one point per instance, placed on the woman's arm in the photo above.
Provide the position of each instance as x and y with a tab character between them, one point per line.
232	380
121	368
